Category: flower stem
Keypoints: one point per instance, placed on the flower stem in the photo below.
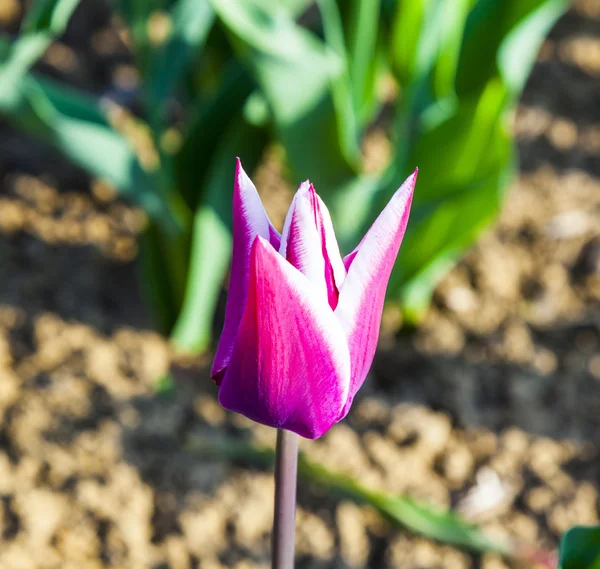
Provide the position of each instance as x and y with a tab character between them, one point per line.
286	472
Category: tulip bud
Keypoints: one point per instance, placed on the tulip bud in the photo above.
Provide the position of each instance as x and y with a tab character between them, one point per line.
302	324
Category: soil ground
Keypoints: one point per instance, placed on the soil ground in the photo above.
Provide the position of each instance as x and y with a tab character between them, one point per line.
491	406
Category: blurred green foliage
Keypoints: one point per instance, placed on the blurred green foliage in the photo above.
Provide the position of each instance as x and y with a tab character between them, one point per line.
580	548
308	76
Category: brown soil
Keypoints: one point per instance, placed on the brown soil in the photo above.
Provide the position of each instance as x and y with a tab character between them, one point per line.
492	406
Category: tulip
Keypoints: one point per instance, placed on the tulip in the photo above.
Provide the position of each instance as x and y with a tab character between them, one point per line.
302	323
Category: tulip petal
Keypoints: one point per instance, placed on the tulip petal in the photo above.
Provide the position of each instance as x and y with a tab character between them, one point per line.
363	293
249	220
331	249
290	366
309	244
350	257
301	241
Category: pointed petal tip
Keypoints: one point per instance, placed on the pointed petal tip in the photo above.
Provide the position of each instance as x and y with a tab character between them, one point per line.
261	248
408	186
306	196
260	241
305	188
239	169
249	219
412	179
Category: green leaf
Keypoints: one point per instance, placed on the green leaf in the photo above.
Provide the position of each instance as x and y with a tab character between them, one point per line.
580	548
71	121
435	241
456	151
441	525
406	29
295	8
429	521
454	16
96	147
446	219
520	47
296	73
432	522
45	20
270	29
50	16
480	51
362	37
341	86
72	103
414	294
211	239
465	161
202	138
490	24
191	20
4	48
75	125
416	36
135	14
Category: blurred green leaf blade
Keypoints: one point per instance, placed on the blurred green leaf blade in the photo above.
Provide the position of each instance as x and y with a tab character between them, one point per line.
50	16
490	24
341	84
211	236
580	548
429	521
296	73
362	37
520	47
453	17
458	193
44	21
205	131
90	142
190	22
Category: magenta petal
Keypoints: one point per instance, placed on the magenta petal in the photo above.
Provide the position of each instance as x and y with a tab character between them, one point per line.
290	366
309	244
349	258
330	248
249	220
363	293
301	241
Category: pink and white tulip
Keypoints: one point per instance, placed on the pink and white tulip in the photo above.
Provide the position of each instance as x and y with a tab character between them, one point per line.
302	324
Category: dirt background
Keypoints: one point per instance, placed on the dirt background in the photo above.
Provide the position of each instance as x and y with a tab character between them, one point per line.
492	406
